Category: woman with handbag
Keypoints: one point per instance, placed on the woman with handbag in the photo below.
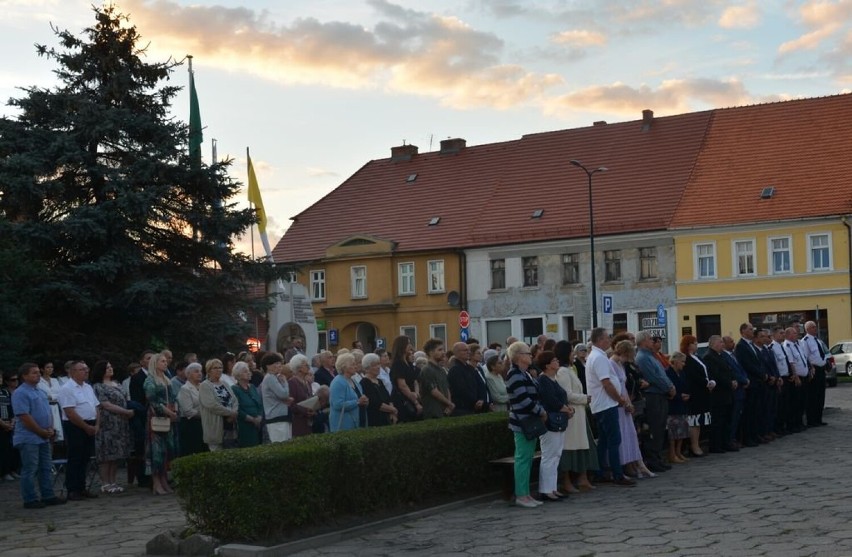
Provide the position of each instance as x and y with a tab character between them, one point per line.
161	445
554	399
218	405
526	419
629	452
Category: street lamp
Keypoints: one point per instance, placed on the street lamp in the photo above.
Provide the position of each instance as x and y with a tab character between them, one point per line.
590	173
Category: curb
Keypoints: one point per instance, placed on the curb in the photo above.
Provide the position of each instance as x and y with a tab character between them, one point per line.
289	548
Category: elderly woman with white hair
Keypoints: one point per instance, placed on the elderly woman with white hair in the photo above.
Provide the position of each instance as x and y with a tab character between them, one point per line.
189	405
300	389
380	411
250	415
345	397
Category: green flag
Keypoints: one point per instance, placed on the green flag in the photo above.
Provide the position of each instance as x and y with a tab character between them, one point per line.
196	137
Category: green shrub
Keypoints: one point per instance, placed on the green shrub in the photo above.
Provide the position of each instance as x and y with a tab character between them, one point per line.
267	491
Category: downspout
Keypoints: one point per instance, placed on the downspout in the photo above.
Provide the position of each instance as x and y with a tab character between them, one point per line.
848	226
463	279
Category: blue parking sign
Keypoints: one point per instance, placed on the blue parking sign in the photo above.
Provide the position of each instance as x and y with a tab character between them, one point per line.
607	303
333	337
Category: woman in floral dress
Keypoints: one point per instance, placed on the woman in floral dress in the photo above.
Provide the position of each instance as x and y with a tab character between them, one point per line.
112	442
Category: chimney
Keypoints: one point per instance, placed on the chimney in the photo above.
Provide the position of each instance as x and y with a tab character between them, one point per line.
403	152
452	145
647	119
598	123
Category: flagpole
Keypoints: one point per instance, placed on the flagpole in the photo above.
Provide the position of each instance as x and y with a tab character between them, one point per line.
251	206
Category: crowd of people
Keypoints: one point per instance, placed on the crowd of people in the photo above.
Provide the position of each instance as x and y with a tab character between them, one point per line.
613	410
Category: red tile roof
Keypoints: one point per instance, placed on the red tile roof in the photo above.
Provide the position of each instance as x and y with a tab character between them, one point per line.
486	194
802	148
694	169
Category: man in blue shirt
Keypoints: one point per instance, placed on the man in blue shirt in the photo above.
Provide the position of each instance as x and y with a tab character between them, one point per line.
657	397
33	430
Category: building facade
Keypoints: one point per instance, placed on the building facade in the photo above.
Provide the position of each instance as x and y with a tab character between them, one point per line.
765	274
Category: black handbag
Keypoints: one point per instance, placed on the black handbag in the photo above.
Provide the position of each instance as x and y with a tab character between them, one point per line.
532	427
557	421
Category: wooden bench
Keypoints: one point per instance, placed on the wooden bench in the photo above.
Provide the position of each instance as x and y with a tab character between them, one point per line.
507	466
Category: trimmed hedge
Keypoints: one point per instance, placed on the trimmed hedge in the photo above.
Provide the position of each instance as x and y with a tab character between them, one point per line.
264	492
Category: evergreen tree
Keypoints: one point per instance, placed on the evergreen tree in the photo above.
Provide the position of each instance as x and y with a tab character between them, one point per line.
133	242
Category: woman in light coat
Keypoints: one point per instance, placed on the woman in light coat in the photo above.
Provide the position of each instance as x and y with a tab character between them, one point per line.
579	453
218	405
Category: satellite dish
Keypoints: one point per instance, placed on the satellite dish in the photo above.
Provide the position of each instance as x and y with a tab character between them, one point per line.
453	298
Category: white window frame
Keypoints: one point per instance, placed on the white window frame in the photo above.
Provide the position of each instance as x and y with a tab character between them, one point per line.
735	258
314	281
696	260
402	279
432	334
810	249
771	253
353	282
430	273
402	329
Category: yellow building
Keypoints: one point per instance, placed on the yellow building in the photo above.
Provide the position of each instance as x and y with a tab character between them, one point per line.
762	231
362	290
766	274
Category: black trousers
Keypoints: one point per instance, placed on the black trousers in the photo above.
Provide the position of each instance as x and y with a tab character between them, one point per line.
81	449
771	414
656	414
754	413
798	399
720	426
816	397
782	416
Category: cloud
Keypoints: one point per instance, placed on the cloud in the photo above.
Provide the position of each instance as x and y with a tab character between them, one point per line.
579	38
315	172
407	51
745	16
671	97
822	18
809	41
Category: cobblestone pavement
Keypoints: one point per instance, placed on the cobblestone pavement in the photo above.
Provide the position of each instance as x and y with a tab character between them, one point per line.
109	526
786	498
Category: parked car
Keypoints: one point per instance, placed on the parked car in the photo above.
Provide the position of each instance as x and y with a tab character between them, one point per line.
831	369
842	353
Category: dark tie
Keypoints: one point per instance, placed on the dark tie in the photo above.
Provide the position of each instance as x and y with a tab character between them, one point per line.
819	347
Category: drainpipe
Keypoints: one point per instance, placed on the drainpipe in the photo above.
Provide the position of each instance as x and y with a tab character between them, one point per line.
848	226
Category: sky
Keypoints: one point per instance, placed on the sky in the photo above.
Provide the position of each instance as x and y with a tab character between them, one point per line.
318	88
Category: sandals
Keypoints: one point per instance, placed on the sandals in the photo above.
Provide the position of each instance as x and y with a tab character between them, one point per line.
112	489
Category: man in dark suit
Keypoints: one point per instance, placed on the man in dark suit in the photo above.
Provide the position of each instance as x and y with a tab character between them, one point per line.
464	383
136	463
740	392
762	340
722	396
747	356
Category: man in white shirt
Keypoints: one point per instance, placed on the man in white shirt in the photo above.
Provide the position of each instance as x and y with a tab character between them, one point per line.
816	387
799	367
605	388
783	424
80	422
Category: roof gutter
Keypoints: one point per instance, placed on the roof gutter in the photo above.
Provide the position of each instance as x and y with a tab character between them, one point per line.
845	220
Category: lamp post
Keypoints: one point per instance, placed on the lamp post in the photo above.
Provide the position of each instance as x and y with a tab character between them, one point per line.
591	173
